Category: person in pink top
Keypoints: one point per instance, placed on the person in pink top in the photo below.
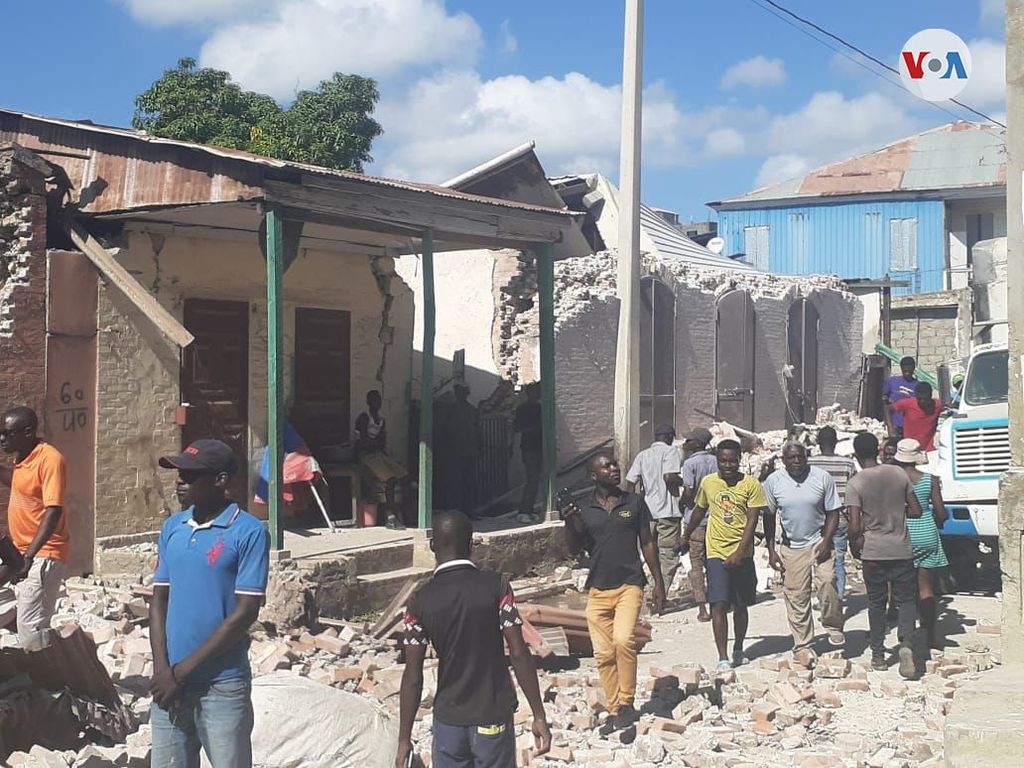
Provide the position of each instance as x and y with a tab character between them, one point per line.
920	416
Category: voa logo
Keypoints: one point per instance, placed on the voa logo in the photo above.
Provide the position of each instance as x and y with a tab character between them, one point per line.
935	65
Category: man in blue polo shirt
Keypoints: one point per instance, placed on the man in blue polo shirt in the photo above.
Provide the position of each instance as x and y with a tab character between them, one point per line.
209	584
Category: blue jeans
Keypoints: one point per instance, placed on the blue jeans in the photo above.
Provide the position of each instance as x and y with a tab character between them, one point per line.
216	717
842	543
474	746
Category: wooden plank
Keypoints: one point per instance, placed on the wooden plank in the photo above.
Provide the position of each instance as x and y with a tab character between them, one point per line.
395	608
448	217
118	277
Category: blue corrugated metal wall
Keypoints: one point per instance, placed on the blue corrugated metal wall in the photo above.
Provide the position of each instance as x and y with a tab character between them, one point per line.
845	239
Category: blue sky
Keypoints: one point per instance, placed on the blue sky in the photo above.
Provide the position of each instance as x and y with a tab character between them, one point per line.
734	97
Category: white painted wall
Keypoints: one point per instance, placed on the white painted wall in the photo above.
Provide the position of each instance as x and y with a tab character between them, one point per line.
464	318
956	225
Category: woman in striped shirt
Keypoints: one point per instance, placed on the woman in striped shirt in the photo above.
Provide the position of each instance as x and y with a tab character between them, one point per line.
924	531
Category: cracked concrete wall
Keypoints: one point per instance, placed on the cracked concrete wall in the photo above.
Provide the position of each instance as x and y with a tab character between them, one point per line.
586	312
22	289
142	377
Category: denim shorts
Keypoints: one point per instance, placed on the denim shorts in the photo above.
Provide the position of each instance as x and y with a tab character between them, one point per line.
735	586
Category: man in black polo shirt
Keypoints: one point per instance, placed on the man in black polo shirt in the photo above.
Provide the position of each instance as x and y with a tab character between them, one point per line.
609	524
465	614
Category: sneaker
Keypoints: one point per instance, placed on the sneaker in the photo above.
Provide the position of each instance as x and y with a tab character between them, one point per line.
724	665
836	638
908	666
879	664
738	659
394	524
608	728
626	717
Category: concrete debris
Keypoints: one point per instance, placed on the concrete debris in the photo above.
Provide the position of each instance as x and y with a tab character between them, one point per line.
780	710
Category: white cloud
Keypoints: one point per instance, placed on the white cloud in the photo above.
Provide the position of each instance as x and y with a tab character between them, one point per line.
830	128
757	72
161	12
987	84
303	41
993	11
781	168
723	142
455	120
506	40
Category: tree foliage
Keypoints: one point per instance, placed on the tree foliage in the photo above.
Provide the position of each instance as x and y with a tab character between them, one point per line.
332	126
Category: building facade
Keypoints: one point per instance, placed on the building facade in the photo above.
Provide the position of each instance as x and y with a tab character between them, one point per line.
912	211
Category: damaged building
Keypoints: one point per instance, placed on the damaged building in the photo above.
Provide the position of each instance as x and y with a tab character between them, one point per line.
721	339
139	308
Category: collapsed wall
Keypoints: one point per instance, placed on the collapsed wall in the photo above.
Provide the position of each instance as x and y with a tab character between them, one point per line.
22	283
586	324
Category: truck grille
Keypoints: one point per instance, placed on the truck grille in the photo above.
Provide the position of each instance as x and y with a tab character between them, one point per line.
982	450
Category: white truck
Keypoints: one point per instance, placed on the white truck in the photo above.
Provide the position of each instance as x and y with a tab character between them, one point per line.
974	441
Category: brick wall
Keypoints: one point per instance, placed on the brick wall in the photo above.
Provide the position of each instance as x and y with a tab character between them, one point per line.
137	381
929	334
22	289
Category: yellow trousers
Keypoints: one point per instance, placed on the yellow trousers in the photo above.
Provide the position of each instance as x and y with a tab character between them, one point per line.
611	618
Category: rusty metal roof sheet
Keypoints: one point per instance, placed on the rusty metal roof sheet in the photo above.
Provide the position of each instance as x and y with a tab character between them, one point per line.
955	156
117	169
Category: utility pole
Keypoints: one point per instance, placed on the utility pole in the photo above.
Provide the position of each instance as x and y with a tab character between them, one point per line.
1011	487
627	352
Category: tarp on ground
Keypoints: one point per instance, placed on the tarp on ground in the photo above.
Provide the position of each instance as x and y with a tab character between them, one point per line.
304	724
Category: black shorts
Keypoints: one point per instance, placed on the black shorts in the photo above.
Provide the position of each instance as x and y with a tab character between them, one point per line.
735	586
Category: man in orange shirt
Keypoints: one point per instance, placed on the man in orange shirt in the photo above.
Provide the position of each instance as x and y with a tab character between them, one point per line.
36	520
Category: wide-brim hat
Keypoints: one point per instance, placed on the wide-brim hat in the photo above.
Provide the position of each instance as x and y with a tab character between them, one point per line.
908	451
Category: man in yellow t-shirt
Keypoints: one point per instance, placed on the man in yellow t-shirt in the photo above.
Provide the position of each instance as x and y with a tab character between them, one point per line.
36	519
733	502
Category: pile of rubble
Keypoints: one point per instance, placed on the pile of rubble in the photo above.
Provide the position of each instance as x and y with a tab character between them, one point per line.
780	711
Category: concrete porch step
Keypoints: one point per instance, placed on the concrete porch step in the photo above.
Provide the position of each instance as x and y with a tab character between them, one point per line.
381	558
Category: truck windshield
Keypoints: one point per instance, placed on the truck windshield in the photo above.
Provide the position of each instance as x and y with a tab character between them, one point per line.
988	378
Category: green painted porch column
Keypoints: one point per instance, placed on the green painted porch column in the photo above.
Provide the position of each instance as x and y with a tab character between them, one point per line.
546	295
275	375
426	474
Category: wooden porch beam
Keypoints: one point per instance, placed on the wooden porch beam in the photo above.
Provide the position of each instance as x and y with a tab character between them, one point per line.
426	473
121	280
275	374
453	219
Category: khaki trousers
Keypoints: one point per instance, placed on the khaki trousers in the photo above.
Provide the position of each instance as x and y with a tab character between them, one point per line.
797	584
611	619
37	598
666	533
698	558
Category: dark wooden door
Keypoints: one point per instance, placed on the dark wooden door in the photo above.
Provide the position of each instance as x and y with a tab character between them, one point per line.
802	384
215	379
657	357
734	345
323	364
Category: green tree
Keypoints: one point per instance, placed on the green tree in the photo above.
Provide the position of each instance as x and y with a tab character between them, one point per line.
332	126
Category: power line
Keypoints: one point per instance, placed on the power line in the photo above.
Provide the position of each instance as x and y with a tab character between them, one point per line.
862	52
889	81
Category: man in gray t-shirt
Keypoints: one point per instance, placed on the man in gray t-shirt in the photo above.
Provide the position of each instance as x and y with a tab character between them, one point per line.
879	499
699	464
804	500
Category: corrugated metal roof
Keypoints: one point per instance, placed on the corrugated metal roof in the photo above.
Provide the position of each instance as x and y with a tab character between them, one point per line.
957	155
116	169
657	237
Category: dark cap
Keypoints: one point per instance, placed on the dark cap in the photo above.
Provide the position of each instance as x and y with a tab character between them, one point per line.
699	435
203	455
664	429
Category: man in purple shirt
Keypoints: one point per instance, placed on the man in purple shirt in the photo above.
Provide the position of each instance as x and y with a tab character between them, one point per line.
900	387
